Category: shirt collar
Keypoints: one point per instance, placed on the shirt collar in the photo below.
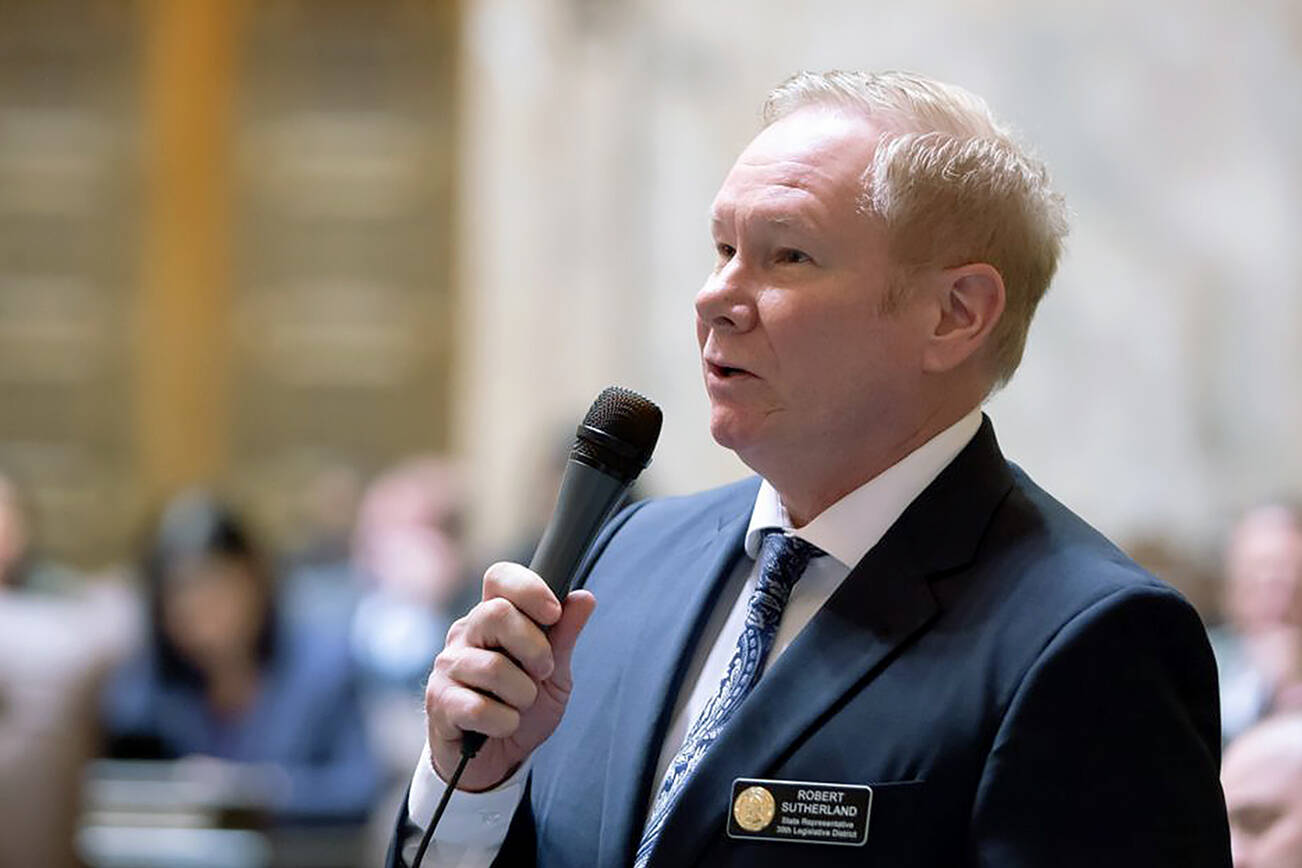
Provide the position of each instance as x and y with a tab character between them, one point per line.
847	529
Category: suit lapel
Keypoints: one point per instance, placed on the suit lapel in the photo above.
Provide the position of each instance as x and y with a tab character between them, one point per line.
650	687
884	601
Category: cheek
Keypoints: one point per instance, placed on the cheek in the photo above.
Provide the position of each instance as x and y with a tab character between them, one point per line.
834	346
193	623
245	610
856	373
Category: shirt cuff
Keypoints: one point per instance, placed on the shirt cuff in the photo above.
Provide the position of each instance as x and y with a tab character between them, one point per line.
475	820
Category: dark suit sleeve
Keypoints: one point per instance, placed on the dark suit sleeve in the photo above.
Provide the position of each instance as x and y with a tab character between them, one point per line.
403	829
1109	753
520	849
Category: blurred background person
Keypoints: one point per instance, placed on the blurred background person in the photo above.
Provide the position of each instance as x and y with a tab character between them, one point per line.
224	677
51	669
1262	776
414	581
1259	648
326	514
53	655
407	555
21	568
320	585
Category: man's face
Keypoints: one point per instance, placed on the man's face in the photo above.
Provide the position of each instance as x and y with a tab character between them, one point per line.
796	351
1264	569
1263	792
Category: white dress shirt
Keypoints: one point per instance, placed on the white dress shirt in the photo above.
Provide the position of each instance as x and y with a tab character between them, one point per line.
475	824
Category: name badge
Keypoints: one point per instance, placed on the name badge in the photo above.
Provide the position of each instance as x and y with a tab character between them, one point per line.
800	811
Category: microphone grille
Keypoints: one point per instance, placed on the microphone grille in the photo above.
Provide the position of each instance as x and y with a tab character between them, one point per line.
625	416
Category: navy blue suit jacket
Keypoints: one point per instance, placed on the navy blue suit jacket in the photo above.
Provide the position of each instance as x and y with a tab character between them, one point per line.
1016	691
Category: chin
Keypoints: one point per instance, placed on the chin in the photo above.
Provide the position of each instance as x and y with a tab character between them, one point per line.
723	429
733	432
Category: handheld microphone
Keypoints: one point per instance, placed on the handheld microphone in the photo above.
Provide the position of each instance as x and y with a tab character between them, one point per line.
613	444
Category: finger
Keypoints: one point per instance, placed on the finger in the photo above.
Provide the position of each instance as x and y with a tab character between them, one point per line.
464	710
525	589
495	673
579	606
497	624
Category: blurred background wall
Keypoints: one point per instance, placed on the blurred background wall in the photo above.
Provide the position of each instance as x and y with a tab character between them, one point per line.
226	234
243	241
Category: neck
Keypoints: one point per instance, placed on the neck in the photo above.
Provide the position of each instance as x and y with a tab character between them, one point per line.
823	476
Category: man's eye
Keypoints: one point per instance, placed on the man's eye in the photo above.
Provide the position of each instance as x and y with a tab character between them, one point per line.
725	251
793	256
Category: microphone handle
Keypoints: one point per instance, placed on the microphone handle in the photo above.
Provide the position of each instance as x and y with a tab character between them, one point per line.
587	498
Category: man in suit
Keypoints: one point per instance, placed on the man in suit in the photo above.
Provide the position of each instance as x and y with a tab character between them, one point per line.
890	649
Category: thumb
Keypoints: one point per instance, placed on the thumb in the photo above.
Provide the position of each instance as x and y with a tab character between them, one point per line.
565	632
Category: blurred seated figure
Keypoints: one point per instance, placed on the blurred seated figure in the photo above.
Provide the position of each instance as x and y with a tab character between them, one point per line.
20	567
53	654
319	585
1262	777
51	669
325	513
1259	649
222	677
413	581
407	556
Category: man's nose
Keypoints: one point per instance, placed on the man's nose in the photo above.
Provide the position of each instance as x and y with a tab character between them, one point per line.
725	302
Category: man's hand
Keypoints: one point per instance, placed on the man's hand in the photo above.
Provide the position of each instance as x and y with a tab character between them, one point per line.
502	675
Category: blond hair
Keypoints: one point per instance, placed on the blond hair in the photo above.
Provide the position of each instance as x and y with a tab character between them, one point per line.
952	185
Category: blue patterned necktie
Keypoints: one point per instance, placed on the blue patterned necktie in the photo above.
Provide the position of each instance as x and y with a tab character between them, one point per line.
782	561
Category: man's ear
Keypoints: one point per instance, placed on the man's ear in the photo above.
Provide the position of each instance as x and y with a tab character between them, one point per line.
969	302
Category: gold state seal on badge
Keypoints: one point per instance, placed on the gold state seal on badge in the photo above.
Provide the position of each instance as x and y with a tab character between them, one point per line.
754	808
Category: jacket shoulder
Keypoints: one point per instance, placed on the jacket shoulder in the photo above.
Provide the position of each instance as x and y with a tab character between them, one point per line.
723	503
1061	554
1044	580
661	522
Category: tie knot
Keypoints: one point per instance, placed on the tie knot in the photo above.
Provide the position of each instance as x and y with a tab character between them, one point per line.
783	559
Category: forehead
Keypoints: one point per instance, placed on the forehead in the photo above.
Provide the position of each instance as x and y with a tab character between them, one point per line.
1266	534
206	570
1259	770
817	153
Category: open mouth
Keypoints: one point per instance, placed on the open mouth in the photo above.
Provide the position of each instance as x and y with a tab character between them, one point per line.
726	371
